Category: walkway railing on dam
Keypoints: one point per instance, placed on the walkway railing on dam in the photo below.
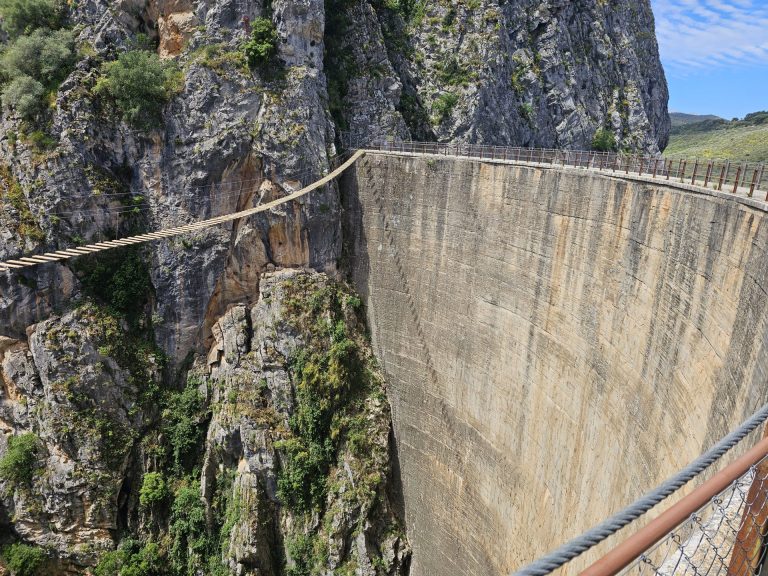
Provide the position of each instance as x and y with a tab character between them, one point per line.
743	178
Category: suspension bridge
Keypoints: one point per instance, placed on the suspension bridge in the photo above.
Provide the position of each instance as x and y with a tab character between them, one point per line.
720	527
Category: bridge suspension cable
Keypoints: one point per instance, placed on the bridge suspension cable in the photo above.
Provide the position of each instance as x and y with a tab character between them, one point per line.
28	261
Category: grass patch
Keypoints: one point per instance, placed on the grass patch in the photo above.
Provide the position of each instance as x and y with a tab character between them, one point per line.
13	195
443	106
733	143
220	59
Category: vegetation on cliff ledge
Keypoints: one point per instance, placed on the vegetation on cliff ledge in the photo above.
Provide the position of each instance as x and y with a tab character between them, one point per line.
140	85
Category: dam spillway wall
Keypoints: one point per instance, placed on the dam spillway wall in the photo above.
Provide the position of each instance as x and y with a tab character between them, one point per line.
556	342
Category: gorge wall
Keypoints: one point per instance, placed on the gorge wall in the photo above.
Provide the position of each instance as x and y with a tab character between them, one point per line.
157	390
556	342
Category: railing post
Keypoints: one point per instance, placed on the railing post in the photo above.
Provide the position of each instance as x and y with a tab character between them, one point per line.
655	167
723	173
748	548
709	174
736	182
682	175
695	169
754	183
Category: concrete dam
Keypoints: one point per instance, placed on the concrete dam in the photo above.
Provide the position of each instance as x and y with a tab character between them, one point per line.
556	341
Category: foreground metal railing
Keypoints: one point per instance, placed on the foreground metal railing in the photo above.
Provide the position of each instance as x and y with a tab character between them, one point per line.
724	537
737	545
743	178
719	529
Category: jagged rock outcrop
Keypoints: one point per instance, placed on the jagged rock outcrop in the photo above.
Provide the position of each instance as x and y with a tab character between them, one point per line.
64	386
256	403
230	139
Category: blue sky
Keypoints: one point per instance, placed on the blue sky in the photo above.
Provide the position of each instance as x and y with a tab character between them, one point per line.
715	54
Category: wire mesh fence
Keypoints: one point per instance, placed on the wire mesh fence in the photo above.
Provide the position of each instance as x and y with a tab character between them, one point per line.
726	537
742	178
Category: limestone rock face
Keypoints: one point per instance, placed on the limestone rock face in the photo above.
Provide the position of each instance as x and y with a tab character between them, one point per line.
64	386
528	73
254	400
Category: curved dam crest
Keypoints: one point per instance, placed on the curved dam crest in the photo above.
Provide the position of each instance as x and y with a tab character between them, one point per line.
557	342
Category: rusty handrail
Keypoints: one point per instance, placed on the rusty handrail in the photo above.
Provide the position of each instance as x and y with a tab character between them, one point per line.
634	546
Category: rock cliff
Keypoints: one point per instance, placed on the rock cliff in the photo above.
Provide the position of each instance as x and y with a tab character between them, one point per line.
531	73
152	395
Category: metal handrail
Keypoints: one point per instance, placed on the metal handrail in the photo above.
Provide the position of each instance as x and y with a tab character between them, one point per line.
744	178
633	547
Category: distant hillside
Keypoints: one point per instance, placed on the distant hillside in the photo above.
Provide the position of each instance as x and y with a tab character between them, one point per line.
681	119
713	137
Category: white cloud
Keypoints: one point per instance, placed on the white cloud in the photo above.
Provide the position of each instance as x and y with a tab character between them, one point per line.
703	34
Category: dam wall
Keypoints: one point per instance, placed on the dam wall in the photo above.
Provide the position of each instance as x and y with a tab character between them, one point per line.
556	342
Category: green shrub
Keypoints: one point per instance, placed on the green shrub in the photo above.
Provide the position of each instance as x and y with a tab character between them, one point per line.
133	559
604	140
25	95
184	419
34	65
24	560
190	544
24	16
307	552
444	104
43	55
141	84
453	73
41	141
119	278
526	111
153	490
261	48
326	375
18	464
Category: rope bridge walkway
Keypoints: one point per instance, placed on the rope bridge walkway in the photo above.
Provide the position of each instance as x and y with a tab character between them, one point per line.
742	179
177	231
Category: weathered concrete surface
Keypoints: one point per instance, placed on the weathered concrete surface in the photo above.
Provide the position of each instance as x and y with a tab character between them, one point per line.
557	342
